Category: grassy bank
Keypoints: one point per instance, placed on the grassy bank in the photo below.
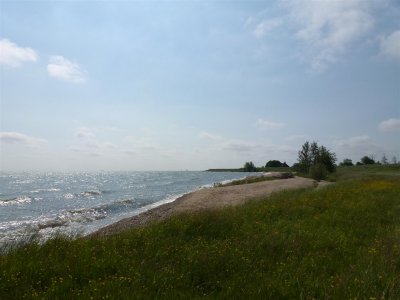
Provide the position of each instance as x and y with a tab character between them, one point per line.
341	242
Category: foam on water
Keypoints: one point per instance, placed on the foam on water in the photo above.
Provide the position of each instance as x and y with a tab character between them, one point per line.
15	201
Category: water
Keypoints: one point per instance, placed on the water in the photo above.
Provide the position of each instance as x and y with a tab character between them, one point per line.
43	204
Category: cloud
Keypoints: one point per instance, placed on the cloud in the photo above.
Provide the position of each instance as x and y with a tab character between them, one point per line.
390	125
87	143
357	147
84	132
21	139
142	143
14	56
61	68
240	146
266	26
209	136
295	137
268	125
390	46
328	28
355	142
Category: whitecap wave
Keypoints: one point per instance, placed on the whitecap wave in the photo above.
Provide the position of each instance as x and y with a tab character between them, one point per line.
69	196
15	201
45	190
90	193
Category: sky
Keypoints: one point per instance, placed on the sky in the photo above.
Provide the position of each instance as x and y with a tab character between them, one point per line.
192	85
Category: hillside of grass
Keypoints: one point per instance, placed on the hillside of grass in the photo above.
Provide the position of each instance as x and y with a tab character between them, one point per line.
340	242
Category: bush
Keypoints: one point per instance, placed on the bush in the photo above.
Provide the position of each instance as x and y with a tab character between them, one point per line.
347	162
312	155
249	167
318	171
366	160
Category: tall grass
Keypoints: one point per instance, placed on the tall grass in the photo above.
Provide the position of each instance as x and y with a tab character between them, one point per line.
341	242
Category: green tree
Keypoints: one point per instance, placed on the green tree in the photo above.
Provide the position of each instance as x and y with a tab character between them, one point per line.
273	164
249	167
346	162
325	158
304	158
384	160
316	160
366	160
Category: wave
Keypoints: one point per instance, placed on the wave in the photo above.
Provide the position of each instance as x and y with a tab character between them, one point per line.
90	193
86	194
15	201
46	190
85	215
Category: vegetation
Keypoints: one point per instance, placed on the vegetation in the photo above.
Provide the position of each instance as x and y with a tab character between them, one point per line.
340	242
276	164
249	167
316	161
346	163
366	160
254	179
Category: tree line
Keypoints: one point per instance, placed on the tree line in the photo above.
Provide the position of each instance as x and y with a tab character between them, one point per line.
315	161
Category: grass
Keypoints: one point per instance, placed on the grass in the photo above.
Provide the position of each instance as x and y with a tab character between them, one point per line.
340	242
363	171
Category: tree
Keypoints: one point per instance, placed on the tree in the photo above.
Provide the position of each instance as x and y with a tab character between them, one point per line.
384	160
249	167
304	158
273	164
366	160
346	162
394	160
325	158
316	160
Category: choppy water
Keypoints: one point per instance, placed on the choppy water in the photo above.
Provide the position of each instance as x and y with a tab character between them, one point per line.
42	204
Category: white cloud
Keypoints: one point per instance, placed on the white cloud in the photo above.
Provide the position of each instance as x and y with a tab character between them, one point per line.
390	125
390	46
209	136
357	147
240	146
268	125
21	139
266	26
88	144
355	142
295	137
84	132
61	68
12	55
142	143
330	27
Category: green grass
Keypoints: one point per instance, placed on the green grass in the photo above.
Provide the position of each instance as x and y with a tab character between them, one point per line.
340	242
364	171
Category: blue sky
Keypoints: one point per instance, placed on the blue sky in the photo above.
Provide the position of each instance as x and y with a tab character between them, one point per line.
174	85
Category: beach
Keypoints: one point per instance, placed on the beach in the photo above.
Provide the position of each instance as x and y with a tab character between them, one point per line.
206	199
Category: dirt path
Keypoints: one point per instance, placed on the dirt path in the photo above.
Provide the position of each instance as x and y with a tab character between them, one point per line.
211	198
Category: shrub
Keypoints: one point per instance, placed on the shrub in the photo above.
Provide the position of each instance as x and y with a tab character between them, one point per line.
318	171
366	160
311	155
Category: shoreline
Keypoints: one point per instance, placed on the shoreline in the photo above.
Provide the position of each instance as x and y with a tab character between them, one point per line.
205	199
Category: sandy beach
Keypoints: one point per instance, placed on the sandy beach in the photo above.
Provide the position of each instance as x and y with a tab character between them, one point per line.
210	198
